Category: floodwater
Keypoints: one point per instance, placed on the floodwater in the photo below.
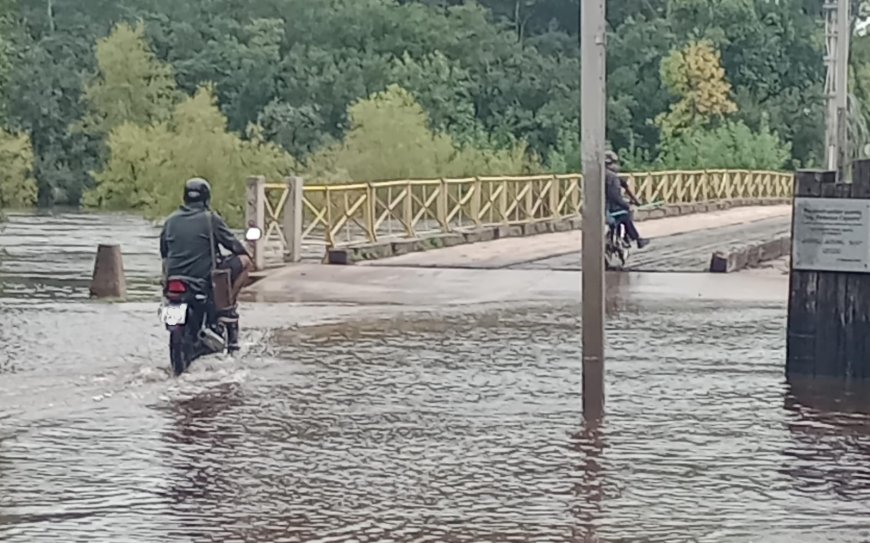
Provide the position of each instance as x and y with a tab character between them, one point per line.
433	426
51	257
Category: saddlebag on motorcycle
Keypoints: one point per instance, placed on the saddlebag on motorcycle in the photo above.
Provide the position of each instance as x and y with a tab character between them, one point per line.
223	289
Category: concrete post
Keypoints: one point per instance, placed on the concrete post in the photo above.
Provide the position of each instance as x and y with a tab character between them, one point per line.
502	203
705	186
408	211
476	189
255	215
293	213
441	206
108	280
593	103
555	198
529	202
576	202
369	211
844	27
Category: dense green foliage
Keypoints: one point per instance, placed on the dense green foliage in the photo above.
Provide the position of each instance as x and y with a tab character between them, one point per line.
122	99
389	138
17	186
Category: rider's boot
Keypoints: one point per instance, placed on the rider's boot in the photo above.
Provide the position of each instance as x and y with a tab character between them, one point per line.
641	243
229	315
233	337
230	318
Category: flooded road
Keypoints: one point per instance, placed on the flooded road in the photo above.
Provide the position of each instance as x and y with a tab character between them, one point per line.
437	425
52	257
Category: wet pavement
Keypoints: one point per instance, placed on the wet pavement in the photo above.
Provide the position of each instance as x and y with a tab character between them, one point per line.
683	252
402	422
682	244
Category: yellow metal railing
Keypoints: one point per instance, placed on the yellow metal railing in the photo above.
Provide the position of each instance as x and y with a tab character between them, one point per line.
335	215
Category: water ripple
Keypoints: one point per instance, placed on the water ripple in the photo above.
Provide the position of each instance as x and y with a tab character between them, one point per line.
432	426
441	427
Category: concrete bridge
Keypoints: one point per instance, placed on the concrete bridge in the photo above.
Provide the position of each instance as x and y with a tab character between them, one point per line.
701	221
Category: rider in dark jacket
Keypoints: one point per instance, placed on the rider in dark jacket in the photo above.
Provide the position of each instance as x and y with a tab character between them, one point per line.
186	243
613	187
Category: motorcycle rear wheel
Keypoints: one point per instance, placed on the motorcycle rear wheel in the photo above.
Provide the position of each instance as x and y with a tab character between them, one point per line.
610	259
179	351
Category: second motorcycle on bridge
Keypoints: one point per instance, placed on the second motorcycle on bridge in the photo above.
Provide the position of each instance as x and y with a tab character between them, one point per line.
617	246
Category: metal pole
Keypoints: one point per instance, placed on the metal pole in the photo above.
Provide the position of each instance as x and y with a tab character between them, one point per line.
843	31
831	9
593	105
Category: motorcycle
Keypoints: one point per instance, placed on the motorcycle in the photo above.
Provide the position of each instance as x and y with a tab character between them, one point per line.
189	314
616	247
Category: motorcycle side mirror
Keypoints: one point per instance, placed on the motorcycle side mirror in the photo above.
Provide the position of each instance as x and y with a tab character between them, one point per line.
253	234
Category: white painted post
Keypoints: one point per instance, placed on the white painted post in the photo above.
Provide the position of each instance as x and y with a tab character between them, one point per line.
255	215
293	213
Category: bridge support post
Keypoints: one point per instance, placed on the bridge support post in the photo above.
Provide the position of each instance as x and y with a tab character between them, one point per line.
292	220
255	215
828	331
108	280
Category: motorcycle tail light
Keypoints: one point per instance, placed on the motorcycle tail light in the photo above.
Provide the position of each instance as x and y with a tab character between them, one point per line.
176	287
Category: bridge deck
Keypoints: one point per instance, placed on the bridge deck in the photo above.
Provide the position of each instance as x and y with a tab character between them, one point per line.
680	244
685	252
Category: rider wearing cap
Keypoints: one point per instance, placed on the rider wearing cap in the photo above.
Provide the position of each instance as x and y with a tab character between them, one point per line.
187	251
613	187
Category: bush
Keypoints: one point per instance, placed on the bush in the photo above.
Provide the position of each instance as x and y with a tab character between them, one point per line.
148	164
17	185
731	145
390	138
565	158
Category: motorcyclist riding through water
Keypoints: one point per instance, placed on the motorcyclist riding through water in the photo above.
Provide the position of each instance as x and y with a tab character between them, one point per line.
186	249
614	185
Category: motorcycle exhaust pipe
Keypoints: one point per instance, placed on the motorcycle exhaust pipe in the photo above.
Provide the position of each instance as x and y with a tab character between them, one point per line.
211	340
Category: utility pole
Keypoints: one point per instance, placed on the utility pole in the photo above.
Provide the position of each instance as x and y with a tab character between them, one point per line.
593	105
837	30
50	9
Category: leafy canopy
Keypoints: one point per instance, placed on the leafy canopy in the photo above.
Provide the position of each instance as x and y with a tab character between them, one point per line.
390	138
153	147
17	186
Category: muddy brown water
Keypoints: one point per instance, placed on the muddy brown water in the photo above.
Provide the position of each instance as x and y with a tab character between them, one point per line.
434	426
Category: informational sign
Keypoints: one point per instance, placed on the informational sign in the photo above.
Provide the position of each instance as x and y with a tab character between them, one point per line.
831	234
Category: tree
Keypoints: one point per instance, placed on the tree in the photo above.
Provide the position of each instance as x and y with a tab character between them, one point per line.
394	120
772	53
444	89
131	85
299	130
731	145
388	120
43	100
17	186
696	76
491	75
636	94
148	163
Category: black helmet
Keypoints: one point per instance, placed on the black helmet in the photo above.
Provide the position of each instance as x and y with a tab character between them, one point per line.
197	189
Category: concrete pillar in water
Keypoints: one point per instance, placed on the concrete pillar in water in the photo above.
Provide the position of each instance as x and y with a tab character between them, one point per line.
109	280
